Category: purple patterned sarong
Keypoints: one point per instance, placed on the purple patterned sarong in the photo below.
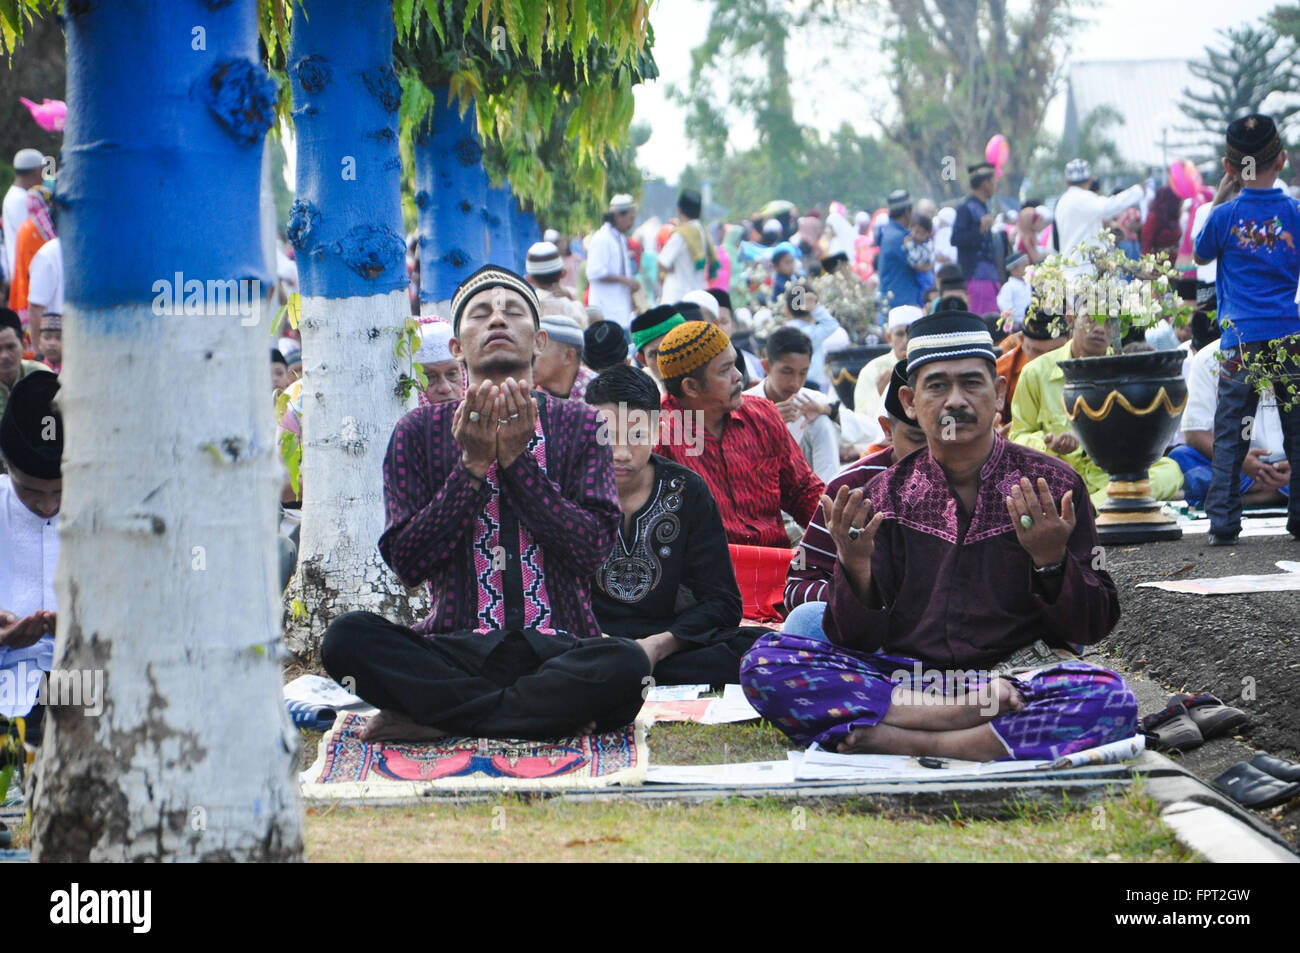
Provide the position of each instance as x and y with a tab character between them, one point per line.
817	691
983	294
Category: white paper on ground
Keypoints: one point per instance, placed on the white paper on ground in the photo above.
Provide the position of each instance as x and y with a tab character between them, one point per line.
818	764
316	690
1250	525
675	693
1230	585
732	706
753	772
1112	753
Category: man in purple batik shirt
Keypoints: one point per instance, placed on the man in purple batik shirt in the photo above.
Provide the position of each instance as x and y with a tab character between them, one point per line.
505	504
962	576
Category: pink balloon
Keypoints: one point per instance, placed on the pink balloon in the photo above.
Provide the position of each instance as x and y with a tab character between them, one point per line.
997	151
1185	178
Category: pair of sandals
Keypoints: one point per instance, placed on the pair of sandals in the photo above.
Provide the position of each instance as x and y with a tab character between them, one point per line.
1188	721
1264	781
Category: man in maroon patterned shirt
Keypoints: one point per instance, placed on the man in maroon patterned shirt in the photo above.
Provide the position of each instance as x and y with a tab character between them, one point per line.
505	504
740	445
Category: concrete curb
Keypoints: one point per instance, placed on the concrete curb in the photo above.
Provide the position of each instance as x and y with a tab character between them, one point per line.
1221	838
1206	821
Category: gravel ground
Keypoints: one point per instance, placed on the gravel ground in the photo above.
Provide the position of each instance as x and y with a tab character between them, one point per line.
1243	648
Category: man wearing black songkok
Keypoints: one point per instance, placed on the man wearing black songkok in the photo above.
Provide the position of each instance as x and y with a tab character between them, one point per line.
31	446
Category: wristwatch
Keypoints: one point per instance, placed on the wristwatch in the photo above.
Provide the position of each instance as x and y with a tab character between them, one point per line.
1053	570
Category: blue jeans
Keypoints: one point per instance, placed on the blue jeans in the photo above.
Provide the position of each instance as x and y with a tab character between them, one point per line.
805	621
1237	401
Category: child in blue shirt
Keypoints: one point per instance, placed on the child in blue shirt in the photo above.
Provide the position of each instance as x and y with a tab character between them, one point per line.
1252	233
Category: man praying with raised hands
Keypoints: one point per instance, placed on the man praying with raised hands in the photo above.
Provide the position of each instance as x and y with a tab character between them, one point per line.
505	504
963	575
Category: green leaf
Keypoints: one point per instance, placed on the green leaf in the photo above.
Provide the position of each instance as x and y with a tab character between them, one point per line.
298	609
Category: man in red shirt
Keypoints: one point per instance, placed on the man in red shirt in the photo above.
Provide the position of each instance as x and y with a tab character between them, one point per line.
740	445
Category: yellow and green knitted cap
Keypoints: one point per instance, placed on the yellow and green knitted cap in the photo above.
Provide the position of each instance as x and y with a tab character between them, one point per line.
689	346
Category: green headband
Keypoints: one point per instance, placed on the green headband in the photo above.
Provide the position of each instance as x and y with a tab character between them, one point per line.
640	338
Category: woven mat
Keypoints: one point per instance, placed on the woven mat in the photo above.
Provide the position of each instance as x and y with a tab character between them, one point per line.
347	767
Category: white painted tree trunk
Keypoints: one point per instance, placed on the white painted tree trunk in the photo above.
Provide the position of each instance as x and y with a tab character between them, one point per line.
167	585
350	407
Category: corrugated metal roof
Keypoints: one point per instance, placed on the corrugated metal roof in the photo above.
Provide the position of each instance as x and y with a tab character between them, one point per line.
1146	93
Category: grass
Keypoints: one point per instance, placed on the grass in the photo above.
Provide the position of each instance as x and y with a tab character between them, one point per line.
1125	828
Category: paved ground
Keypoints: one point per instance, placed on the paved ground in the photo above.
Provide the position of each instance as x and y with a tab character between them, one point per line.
1245	649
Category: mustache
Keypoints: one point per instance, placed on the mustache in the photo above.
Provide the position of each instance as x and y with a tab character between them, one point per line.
960	416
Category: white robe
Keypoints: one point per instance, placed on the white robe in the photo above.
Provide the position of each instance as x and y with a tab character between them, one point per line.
29	551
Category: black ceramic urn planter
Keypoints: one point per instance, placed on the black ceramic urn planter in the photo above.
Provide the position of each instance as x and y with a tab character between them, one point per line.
1125	409
844	365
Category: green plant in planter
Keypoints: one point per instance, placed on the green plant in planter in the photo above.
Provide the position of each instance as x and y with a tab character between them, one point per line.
1124	408
1098	280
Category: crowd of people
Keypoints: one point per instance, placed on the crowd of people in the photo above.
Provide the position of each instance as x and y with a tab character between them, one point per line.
591	462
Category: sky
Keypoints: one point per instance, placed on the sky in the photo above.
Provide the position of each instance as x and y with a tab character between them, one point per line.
833	85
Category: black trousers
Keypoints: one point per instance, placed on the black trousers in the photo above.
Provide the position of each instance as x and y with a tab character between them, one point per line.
506	684
715	664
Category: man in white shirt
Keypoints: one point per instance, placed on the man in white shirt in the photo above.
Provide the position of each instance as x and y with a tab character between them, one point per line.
28	165
31	444
874	376
610	274
687	256
45	286
1265	473
1080	212
808	413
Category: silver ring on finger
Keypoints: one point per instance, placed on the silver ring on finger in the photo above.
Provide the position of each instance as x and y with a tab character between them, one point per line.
503	420
514	416
854	532
475	416
1026	521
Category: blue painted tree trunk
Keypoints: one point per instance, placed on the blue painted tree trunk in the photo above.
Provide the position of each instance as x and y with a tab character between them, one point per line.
500	227
346	226
519	234
346	222
450	196
166	576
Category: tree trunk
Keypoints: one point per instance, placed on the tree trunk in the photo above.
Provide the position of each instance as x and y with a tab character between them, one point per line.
346	226
450	197
167	581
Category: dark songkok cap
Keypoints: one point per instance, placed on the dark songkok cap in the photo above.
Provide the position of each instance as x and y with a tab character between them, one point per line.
722	297
831	262
979	173
604	344
31	430
689	310
1205	329
1254	136
950	278
949	336
690	203
492	276
898	200
1041	325
894	406
654	323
